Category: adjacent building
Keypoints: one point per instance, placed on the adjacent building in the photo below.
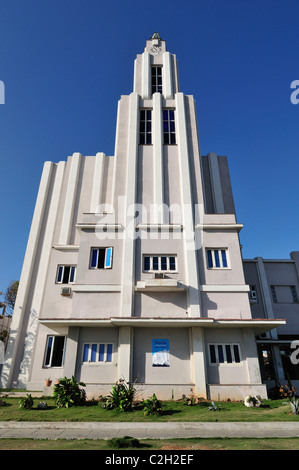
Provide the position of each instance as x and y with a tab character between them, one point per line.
274	287
133	267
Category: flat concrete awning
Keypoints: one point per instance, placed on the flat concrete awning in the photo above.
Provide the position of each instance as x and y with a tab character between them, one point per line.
259	325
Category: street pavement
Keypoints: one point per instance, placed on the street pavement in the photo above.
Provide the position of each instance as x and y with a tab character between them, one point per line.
167	430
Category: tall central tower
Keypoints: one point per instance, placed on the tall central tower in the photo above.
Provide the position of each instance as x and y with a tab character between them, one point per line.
133	266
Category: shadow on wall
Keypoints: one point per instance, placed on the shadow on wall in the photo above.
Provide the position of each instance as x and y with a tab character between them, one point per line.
26	342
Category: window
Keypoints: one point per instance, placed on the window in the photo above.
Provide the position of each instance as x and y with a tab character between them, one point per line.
224	353
217	258
145	137
160	263
273	292
157	79
54	356
65	274
168	126
284	294
294	294
97	352
101	258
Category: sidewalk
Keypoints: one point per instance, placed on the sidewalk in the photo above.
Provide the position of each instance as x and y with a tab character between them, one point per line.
108	430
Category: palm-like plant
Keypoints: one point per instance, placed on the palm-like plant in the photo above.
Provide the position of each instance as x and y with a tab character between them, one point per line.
68	393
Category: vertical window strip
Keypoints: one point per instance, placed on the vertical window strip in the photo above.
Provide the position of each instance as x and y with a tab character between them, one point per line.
236	353
86	353
102	353
168	126
273	292
217	261
109	353
224	259
294	294
156	79
47	361
145	131
210	259
213	358
59	274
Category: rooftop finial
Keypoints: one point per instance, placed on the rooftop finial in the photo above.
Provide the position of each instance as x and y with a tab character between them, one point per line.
156	36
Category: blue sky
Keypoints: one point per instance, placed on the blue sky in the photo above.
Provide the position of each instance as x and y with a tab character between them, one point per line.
65	64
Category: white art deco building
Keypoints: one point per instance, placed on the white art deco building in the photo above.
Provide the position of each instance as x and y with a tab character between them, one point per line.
133	266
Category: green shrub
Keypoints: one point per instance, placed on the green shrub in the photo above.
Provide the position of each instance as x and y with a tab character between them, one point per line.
68	393
121	397
26	403
152	406
126	441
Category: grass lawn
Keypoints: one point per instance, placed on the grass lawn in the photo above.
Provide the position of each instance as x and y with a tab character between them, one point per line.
272	410
171	445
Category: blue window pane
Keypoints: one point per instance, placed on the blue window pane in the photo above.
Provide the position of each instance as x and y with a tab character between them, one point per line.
93	353
220	353
165	115
72	274
108	260
155	263
102	353
48	351
210	260
172	129
165	126
149	114
109	352
171	114
94	259
146	263
172	266
85	352
217	262
224	260
59	274
163	263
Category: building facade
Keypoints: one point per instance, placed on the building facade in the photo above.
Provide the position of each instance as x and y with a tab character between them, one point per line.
274	287
133	267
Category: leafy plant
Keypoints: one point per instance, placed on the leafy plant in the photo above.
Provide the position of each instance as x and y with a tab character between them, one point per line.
126	441
121	397
68	393
152	406
26	403
253	401
191	400
214	407
288	391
